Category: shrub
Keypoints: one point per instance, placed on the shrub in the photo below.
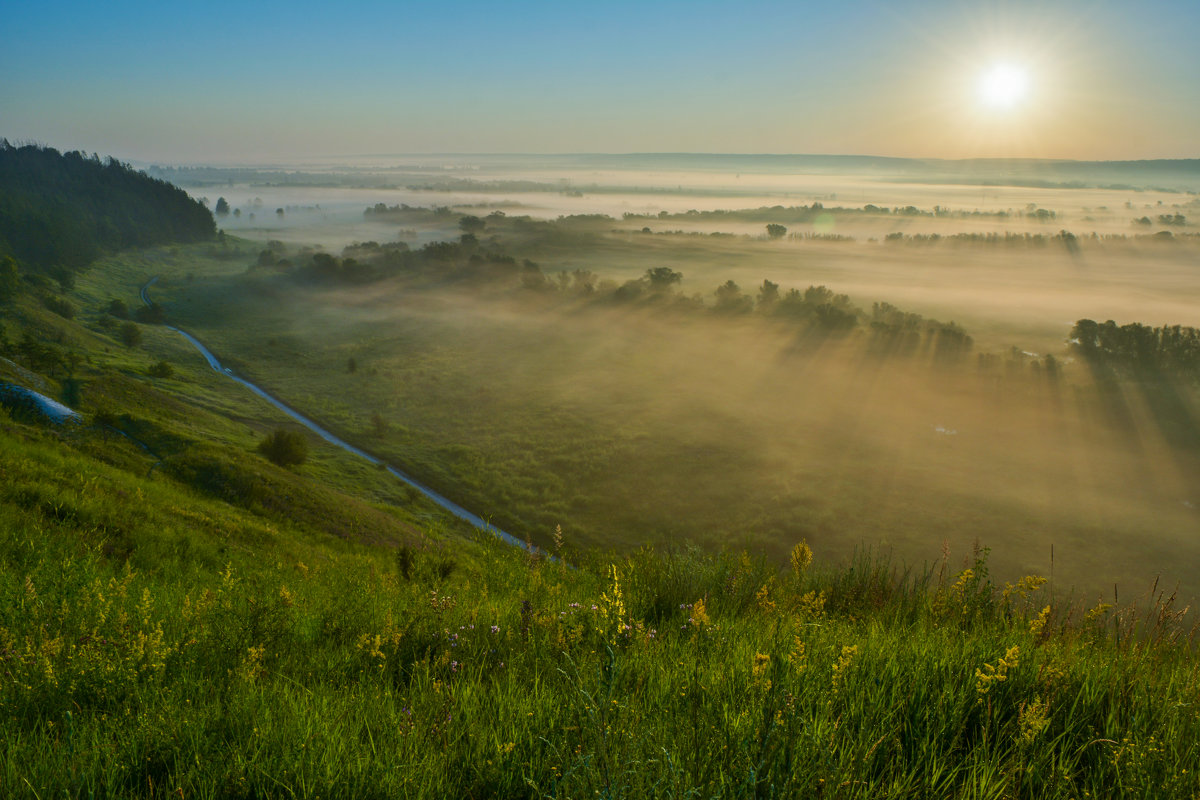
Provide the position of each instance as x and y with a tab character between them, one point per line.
59	305
118	309
161	370
285	448
130	334
153	314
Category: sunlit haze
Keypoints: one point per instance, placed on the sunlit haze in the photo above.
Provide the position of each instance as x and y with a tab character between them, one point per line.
253	82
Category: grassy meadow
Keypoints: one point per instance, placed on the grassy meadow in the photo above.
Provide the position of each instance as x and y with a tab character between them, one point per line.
788	560
218	653
629	424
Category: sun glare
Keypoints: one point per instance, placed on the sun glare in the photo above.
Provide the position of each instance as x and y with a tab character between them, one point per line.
1003	86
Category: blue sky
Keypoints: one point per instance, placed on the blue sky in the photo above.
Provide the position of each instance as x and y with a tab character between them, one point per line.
225	82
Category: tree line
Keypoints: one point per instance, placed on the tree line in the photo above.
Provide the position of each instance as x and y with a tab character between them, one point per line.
61	211
470	261
1137	346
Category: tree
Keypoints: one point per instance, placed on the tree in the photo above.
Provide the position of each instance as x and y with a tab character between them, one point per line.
768	295
130	333
471	224
730	299
222	207
285	448
776	231
662	278
9	279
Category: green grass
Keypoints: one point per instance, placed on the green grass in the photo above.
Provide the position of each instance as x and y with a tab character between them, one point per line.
219	657
196	622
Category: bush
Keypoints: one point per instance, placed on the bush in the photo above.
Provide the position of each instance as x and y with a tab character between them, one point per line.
152	314
118	309
59	305
285	448
161	370
130	334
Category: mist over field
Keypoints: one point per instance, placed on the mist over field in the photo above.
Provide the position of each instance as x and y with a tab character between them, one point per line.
537	400
699	414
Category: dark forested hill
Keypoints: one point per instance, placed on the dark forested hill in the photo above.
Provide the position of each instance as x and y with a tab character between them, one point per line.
59	211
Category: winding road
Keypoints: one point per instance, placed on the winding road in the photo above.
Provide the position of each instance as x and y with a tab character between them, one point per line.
449	505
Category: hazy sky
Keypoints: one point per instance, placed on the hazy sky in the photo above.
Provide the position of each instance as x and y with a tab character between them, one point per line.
220	82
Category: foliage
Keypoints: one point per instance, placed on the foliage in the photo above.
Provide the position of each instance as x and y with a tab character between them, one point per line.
117	308
161	369
9	279
59	305
176	651
60	211
192	627
129	333
284	447
1136	345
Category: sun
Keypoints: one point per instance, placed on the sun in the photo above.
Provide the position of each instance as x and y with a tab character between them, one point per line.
1003	86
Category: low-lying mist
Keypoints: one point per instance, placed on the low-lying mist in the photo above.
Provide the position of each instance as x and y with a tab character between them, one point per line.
534	371
646	425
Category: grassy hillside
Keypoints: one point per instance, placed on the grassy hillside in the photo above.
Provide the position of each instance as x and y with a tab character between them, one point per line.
154	642
183	618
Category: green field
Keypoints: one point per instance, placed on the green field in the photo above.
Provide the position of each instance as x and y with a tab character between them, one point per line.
633	424
158	642
789	560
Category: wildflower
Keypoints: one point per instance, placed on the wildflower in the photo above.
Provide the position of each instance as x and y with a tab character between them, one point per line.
1039	622
797	657
1023	587
700	612
811	605
1097	612
984	678
802	556
763	600
251	666
762	662
613	601
1033	717
844	660
495	629
960	586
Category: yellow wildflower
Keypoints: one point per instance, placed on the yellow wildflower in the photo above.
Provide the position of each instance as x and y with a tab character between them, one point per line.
802	557
984	678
